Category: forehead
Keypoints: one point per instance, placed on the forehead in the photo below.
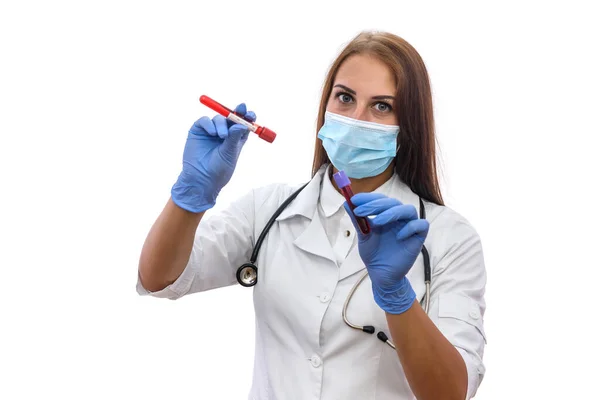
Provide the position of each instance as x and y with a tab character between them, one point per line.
366	74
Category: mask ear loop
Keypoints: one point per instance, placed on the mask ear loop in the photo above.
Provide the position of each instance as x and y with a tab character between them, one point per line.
395	160
398	144
397	150
398	140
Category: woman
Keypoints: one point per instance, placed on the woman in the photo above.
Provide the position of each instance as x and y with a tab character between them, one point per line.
376	124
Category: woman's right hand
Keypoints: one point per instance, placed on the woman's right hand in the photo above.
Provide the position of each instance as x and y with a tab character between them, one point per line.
209	159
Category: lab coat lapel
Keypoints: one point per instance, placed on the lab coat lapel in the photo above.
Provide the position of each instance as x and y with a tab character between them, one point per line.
352	264
313	239
303	213
305	203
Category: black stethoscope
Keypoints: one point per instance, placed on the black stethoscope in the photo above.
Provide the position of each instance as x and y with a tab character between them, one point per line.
247	274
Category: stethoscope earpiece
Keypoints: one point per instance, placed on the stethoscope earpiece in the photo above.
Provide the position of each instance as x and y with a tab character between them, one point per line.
382	336
247	275
369	329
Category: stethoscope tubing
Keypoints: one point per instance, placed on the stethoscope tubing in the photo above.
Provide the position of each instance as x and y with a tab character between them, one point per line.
247	274
368	328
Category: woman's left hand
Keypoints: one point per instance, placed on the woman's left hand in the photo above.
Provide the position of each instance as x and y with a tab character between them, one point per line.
391	248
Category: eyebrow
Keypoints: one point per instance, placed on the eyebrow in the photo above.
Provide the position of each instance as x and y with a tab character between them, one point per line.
382	97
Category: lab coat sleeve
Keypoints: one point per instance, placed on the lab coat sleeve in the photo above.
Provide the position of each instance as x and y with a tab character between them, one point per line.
223	242
458	289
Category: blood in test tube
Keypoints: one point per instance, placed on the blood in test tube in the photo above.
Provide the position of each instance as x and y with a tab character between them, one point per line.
342	181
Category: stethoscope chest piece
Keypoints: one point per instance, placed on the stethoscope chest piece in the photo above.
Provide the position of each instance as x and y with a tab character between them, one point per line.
247	275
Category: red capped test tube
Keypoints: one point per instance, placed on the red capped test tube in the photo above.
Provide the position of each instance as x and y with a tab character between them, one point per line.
342	181
262	131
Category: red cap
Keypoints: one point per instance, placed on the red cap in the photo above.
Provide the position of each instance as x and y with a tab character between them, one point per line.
266	134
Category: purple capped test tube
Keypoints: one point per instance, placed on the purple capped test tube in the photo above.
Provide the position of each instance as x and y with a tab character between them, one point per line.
342	181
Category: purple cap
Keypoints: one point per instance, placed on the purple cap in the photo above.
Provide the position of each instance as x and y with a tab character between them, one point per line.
341	179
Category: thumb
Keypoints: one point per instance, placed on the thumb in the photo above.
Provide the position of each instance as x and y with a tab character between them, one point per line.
233	142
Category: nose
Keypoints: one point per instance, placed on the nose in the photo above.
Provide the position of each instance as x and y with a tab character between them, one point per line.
360	113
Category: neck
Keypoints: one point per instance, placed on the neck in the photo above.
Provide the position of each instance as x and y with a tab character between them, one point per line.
365	185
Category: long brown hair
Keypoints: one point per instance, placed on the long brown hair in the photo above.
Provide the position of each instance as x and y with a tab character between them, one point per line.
416	159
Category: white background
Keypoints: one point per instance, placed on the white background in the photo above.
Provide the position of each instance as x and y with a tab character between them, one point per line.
95	102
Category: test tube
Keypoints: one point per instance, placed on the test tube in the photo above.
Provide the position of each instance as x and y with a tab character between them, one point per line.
262	131
342	181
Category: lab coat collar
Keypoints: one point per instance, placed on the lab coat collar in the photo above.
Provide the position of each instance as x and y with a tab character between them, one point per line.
313	239
305	203
329	199
320	189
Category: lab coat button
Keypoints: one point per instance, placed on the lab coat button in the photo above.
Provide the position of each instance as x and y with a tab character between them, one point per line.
315	361
324	297
474	313
347	233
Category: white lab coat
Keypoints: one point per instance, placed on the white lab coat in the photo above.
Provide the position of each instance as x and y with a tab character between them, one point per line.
304	350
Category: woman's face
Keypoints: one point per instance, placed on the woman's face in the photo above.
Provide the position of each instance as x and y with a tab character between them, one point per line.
364	89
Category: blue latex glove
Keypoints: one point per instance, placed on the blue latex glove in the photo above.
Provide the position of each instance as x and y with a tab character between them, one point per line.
390	249
209	159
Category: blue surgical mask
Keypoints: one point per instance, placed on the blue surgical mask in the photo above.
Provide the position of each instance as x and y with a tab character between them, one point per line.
359	148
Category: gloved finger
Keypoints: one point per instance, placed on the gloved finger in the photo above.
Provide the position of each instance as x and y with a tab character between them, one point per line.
204	126
240	109
362	198
232	144
251	115
221	126
376	207
405	212
417	227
